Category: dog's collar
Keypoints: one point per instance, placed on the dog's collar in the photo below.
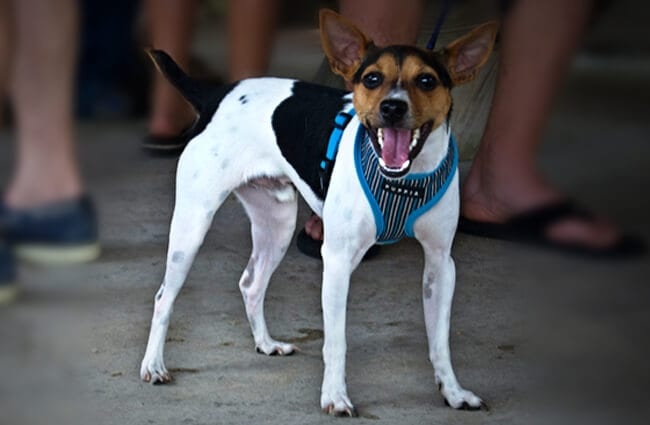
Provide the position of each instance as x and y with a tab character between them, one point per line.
398	203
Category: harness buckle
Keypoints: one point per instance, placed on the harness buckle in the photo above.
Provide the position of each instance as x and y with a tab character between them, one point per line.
324	174
327	163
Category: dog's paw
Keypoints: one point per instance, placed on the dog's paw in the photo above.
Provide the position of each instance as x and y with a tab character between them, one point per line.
461	399
275	348
154	372
340	406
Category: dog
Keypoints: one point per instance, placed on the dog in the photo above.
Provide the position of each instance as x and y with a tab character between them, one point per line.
266	139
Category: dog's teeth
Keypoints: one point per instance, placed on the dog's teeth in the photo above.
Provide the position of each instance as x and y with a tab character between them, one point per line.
380	137
416	137
404	166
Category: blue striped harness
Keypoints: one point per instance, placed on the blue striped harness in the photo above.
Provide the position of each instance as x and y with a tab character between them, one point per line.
396	202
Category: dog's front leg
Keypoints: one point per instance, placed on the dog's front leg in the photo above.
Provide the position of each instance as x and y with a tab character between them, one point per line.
340	257
438	291
336	280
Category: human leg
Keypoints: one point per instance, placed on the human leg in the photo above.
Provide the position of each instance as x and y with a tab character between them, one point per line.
504	180
44	211
386	22
171	24
251	29
251	25
41	85
5	53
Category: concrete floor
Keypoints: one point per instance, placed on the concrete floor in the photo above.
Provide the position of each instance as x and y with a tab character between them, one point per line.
543	338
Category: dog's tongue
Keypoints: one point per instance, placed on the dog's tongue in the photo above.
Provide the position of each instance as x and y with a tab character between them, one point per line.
395	151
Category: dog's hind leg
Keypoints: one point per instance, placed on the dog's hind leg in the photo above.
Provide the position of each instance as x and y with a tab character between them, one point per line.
438	291
188	229
271	206
196	202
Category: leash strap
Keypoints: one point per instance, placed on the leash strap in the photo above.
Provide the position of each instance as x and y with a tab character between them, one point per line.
446	5
327	164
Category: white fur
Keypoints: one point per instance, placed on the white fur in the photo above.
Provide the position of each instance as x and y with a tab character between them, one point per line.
229	155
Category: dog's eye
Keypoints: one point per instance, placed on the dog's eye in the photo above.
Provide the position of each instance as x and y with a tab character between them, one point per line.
372	80
426	82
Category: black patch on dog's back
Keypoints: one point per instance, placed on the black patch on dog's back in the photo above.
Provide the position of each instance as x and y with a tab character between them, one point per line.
303	124
213	97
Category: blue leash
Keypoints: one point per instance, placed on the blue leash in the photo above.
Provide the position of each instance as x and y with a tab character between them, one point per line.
446	5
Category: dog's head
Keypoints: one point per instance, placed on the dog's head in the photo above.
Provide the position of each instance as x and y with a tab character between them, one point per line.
401	93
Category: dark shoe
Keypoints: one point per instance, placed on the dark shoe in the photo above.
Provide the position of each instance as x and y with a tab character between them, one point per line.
167	145
530	227
164	145
8	287
311	247
62	232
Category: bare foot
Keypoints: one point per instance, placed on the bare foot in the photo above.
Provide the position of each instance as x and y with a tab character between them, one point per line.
488	197
171	120
171	113
314	227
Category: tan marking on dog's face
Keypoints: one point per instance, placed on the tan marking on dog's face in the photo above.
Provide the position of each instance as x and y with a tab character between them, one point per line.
425	104
366	100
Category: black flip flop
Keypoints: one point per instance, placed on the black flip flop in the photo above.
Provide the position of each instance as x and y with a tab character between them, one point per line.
529	227
167	145
311	247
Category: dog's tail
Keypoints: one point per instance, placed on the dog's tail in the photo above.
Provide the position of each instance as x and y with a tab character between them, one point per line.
195	92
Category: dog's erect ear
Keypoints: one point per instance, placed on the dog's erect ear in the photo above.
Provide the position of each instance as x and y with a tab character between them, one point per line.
344	44
465	57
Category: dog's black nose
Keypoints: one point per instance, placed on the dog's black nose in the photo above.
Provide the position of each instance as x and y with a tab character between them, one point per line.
393	110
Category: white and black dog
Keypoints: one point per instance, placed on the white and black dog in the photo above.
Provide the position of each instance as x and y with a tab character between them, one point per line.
376	164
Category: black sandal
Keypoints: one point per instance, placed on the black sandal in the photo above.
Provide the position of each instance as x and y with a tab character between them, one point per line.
530	228
167	145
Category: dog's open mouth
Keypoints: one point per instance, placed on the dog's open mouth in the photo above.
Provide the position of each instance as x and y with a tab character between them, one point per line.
396	147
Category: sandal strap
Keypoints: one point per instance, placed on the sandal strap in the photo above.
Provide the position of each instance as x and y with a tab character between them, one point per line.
536	221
